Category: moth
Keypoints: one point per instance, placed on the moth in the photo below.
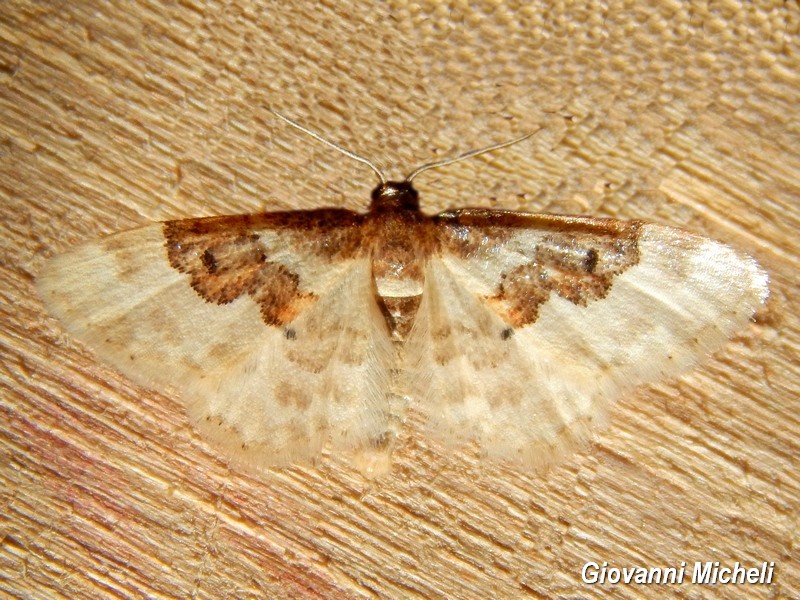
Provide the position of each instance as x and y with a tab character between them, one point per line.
288	332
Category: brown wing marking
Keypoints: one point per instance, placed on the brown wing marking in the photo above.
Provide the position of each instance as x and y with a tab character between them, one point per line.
576	258
226	257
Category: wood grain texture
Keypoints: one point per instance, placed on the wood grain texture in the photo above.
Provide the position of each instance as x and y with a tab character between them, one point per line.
116	114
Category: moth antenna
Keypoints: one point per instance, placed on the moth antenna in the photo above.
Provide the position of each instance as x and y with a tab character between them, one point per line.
333	145
470	154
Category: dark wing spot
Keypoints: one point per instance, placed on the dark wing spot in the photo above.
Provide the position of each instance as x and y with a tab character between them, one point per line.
290	334
506	333
209	261
590	263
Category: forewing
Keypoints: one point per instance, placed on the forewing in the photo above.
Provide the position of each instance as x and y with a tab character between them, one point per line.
531	324
266	326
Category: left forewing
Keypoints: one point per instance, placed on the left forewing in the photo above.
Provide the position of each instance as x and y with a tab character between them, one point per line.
531	324
265	326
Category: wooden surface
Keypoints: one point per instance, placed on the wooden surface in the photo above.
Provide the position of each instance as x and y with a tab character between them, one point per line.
117	114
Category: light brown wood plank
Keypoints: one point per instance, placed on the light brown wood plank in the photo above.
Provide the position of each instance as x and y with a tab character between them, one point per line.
116	114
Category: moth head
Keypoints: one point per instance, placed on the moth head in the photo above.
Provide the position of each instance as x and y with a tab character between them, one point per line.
394	195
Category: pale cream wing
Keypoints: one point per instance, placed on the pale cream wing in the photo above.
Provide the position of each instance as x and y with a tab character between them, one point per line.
528	328
274	345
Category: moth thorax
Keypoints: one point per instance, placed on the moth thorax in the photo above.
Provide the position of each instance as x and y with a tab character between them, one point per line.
398	275
395	195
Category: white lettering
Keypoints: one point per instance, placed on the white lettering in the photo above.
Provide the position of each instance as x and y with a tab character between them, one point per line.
702	572
592	577
681	573
641	575
739	573
665	574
